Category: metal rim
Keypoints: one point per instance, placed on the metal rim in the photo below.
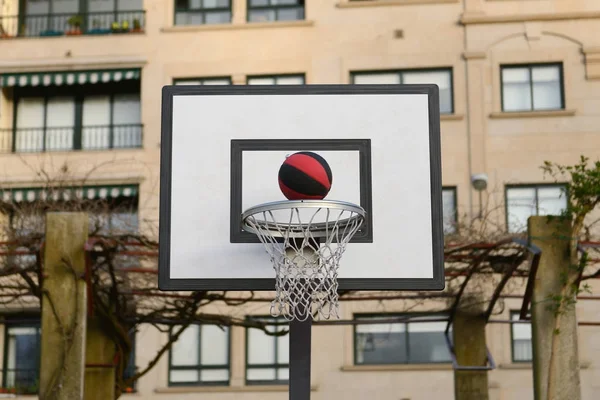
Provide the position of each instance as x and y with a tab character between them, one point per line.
297	230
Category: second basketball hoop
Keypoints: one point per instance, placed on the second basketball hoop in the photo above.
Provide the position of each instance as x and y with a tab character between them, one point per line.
305	240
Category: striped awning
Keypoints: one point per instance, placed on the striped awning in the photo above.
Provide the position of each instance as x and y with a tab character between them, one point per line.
59	78
19	195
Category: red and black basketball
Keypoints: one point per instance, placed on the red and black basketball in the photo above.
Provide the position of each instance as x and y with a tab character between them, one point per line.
305	176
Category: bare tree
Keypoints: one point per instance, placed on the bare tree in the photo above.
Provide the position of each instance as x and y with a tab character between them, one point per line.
482	261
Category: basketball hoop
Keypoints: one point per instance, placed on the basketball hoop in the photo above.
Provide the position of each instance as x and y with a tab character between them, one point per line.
305	240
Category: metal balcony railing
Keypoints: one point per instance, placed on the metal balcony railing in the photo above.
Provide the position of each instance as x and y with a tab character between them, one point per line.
92	23
20	381
101	137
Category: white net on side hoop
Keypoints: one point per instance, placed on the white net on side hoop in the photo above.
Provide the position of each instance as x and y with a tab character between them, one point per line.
305	241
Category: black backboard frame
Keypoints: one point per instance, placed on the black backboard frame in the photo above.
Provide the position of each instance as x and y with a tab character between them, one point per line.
437	282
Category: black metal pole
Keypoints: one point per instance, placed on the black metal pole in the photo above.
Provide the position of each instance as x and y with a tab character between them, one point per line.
300	338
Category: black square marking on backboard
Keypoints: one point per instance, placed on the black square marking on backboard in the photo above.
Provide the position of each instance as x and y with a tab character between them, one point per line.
239	146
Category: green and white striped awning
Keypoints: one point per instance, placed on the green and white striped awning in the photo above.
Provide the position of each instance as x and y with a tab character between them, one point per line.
20	195
59	78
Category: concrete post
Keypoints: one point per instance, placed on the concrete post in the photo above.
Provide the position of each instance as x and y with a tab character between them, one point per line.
554	335
470	349
63	307
99	357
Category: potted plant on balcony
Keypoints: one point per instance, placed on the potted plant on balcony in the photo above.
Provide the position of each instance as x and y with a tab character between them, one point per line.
137	27
122	27
74	23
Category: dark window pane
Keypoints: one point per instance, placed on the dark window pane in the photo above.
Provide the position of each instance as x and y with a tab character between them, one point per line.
215	3
189	18
181	4
218	17
130	5
261	15
428	347
22	358
521	340
546	88
37	7
290	14
267	356
381	348
259	3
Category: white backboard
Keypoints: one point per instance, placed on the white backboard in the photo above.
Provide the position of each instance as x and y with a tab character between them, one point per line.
221	151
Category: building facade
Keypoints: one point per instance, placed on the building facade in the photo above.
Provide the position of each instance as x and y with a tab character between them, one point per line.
519	84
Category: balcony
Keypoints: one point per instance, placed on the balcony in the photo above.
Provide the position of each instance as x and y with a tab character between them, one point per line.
92	23
101	137
20	381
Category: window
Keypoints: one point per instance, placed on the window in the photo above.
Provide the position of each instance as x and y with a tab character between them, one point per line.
203	81
441	77
449	210
267	357
201	12
532	87
73	118
276	80
275	10
22	356
414	342
522	350
524	201
50	17
200	356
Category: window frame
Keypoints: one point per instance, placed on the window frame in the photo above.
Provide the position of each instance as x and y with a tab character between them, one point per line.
400	73
512	340
203	80
79	93
276	366
407	343
275	77
202	11
530	67
454	191
275	8
199	367
534	186
20	321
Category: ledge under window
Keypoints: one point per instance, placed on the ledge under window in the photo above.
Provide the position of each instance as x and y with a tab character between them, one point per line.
380	3
398	367
528	365
532	114
451	117
249	25
226	389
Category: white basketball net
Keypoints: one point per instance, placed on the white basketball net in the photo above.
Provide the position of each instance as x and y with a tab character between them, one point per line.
305	241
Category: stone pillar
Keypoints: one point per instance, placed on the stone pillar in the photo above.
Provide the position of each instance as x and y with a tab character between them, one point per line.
554	335
63	307
99	357
475	65
470	349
